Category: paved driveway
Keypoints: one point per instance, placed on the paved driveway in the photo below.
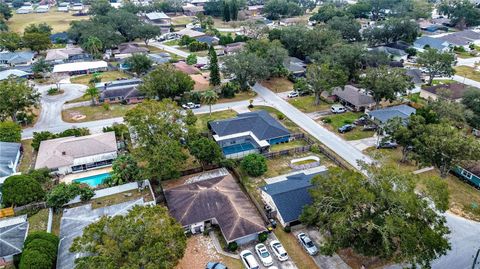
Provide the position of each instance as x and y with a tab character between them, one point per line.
288	264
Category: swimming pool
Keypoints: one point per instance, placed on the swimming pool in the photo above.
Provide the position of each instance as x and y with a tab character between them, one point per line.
93	181
237	148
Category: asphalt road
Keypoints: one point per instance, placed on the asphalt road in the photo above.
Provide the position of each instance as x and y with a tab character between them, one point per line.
346	151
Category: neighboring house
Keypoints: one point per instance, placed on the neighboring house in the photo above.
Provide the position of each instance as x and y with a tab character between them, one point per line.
66	55
383	115
291	21
462	39
443	21
393	53
214	198
16	58
61	37
185	68
234	47
452	91
63	7
15	73
210	40
13	232
160	58
158	18
199	3
192	10
42	9
417	79
248	133
9	159
124	95
469	171
254	10
354	98
430	42
191	33
126	50
116	84
295	66
77	7
80	68
289	195
75	154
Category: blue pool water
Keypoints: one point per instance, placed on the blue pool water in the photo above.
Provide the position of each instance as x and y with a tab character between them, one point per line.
237	148
93	181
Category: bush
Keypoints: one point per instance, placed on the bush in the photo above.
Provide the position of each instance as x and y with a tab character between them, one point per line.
347	122
63	193
39	251
262	237
197	46
191	59
229	89
233	246
52	91
35	259
25	118
21	190
43	246
315	149
327	120
10	132
280	116
106	106
287	229
41	235
254	164
41	175
227	163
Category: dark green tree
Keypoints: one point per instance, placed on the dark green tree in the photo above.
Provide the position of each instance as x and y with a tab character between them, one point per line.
166	82
246	67
206	151
10	132
325	78
5	11
215	79
21	190
124	170
100	7
471	99
17	96
10	41
254	164
436	63
347	26
462	13
37	41
41	67
226	11
63	193
147	32
139	63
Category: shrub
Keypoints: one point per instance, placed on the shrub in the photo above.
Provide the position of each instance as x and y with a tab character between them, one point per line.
10	132
287	229
315	149
35	259
347	122
327	120
41	235
229	89
52	91
197	46
106	106
40	251
233	246
63	193
262	237
25	118
191	59
21	190
43	246
254	164
280	116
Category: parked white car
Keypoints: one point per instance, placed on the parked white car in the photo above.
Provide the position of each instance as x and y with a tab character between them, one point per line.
249	260
337	109
307	244
264	255
190	105
293	94
279	251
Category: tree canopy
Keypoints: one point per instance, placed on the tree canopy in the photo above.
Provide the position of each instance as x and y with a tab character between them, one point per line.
436	63
325	77
63	193
21	190
246	68
166	82
462	13
10	132
139	63
146	237
471	99
17	96
124	170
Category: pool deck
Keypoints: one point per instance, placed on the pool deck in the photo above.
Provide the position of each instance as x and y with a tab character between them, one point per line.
71	177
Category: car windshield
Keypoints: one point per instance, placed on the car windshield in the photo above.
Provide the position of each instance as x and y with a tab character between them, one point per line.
309	244
264	253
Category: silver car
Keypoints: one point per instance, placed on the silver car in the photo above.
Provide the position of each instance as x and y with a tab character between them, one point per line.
307	244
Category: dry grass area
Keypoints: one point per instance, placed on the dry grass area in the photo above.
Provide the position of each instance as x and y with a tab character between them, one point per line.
59	21
294	250
104	76
468	72
203	119
38	221
181	20
200	251
239	97
120	198
278	84
355	260
279	166
28	157
93	113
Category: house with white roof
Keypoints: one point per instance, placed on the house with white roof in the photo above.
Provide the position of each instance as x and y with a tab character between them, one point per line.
79	68
158	18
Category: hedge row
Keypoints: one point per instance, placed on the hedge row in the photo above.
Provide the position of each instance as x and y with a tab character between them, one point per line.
39	251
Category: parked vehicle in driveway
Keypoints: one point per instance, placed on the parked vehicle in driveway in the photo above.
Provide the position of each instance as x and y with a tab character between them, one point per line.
307	244
337	109
387	145
369	127
190	105
215	265
278	250
361	121
345	128
263	254
249	260
293	94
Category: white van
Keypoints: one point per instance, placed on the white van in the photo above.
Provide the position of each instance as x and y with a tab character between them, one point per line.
337	109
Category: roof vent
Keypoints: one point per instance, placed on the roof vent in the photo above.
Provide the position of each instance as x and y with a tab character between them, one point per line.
64	153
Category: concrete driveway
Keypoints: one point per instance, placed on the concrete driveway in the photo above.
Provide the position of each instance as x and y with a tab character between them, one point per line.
288	264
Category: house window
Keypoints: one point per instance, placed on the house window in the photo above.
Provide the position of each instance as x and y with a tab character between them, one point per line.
466	174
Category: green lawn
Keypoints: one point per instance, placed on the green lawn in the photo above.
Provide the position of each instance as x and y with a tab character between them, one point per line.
59	21
294	250
339	120
80	99
306	104
293	144
468	72
173	42
203	119
28	156
181	20
104	76
95	112
38	221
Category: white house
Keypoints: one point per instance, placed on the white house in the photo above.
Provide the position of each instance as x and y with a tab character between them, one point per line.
75	154
79	68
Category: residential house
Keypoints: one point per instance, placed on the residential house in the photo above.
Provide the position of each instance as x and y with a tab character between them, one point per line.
247	133
67	54
353	98
16	58
469	171
63	7
430	27
210	40
185	68
124	95
14	73
417	79
254	10
295	66
443	21
287	195
126	50
430	42
116	84
190	32
13	232
9	159
79	68
77	7
160	58
234	47
462	39
382	116
214	198
76	154
393	53
42	9
158	18
452	91
198	3
192	10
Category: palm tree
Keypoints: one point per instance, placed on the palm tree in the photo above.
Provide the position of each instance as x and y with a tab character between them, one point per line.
209	98
93	93
93	45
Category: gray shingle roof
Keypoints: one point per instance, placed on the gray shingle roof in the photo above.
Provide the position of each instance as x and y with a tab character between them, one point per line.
415	74
259	123
386	114
353	95
13	232
8	155
461	38
20	57
291	195
434	43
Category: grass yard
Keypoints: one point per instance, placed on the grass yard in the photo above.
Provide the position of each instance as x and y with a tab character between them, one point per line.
28	157
38	221
79	99
203	119
339	120
57	218
294	250
293	144
173	42
306	104
442	81
95	112
59	21
280	165
181	20
239	97
104	76
278	84
468	72
120	198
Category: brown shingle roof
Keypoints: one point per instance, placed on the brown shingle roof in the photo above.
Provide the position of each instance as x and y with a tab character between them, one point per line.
457	89
219	198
